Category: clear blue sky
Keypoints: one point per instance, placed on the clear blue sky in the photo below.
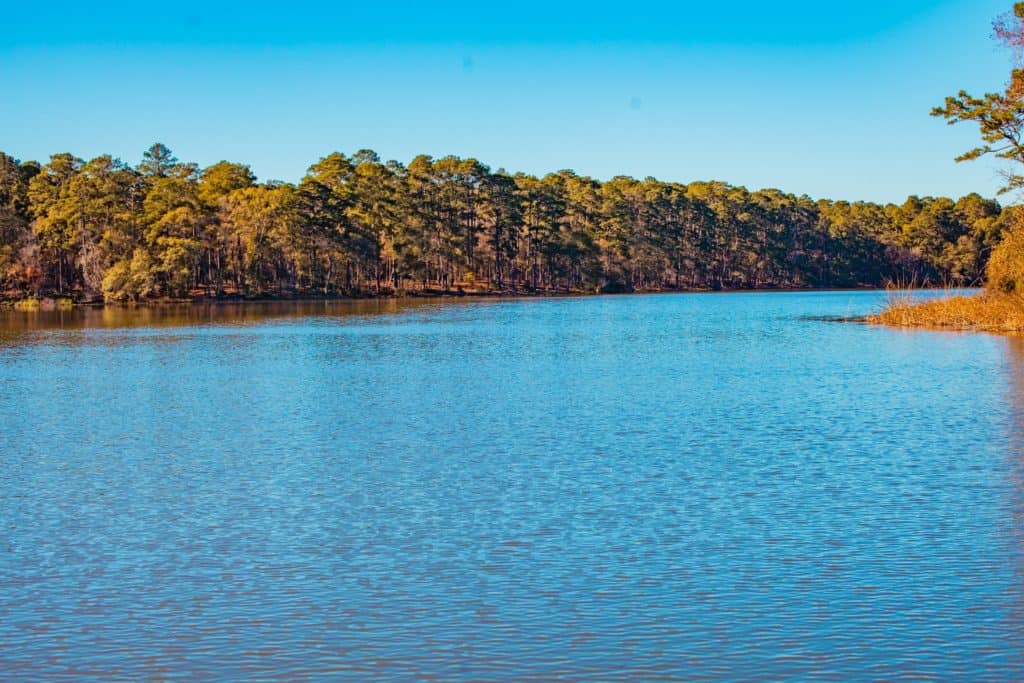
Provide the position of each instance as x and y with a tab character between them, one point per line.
825	98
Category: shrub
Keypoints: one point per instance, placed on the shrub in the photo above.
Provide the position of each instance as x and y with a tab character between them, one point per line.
1005	270
130	279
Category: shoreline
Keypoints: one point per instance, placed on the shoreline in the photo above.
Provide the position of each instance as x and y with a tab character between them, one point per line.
65	303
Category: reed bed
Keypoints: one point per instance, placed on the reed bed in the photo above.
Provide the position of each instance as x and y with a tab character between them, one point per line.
986	311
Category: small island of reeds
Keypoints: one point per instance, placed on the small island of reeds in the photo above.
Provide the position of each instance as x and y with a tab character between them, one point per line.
985	311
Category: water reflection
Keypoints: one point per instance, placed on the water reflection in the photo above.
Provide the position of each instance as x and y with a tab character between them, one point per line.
1015	378
199	313
1015	455
17	327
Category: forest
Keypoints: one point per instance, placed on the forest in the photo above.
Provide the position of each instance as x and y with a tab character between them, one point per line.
103	230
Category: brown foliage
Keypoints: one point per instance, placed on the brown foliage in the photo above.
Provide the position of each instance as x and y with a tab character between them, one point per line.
985	312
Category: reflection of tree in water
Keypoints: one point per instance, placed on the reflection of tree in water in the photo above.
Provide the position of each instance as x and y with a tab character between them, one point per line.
1015	451
16	326
1015	373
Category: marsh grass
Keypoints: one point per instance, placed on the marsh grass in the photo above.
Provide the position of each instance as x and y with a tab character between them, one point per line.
987	311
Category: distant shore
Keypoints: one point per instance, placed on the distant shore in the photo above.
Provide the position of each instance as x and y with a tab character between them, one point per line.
58	302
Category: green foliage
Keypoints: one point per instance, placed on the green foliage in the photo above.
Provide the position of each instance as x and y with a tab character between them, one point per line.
131	279
360	224
157	162
999	116
177	260
1006	266
14	218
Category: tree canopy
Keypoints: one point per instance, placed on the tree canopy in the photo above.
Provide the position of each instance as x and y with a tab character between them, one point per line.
356	224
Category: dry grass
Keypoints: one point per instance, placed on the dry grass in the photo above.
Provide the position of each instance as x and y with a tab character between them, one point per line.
986	311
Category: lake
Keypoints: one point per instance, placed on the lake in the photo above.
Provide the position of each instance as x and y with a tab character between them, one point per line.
662	487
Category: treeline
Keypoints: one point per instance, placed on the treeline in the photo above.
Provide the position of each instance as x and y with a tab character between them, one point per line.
358	225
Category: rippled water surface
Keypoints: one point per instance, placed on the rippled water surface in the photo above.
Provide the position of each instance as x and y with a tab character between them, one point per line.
669	487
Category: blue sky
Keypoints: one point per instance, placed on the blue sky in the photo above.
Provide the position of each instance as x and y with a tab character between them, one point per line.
827	99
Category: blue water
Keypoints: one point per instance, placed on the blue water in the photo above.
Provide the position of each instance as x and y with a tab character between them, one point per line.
664	487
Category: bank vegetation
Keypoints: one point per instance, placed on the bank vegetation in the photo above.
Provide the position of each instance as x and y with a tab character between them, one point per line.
1000	120
355	225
